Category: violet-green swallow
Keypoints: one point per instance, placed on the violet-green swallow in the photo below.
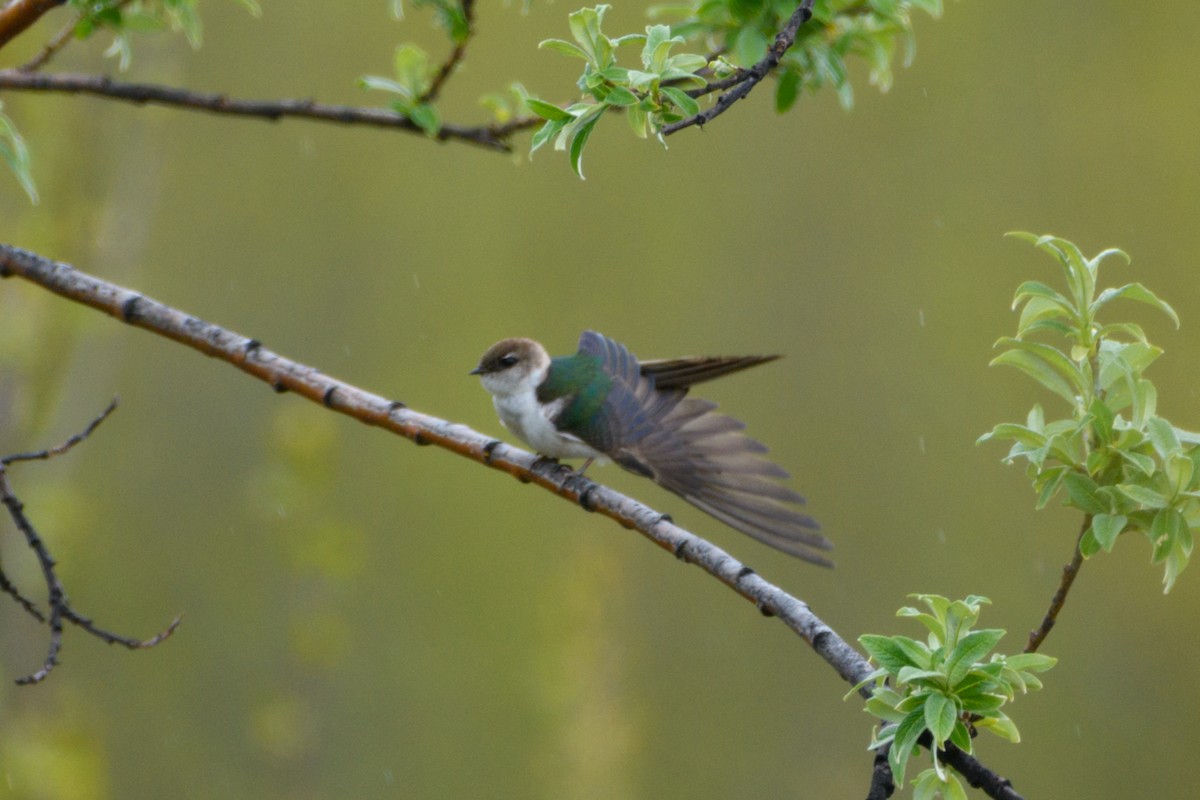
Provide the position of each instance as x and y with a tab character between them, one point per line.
602	404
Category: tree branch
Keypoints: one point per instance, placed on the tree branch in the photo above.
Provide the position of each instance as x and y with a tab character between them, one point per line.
60	606
492	137
744	81
883	785
20	15
1039	634
284	375
455	57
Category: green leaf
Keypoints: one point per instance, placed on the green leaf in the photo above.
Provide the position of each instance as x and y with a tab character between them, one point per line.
426	118
1162	436
566	48
983	703
548	110
1106	528
621	97
1030	662
1130	329
1135	291
787	90
877	707
1038	369
686	104
889	653
907	733
579	140
1166	527
1002	726
970	649
940	716
16	154
547	132
1142	495
749	47
1052	481
411	65
1085	494
1142	462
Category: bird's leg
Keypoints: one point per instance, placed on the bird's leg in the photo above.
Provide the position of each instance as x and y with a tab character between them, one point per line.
586	464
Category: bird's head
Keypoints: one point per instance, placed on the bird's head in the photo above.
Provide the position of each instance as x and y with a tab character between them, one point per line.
511	365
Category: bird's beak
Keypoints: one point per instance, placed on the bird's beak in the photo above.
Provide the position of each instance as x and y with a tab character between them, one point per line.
477	371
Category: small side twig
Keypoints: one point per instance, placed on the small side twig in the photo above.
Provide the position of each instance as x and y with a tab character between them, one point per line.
60	606
58	41
1039	634
741	83
456	55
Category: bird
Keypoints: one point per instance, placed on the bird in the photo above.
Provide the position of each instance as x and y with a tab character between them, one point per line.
603	404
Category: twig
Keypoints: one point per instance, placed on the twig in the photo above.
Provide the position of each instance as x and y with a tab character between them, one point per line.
8	588
18	15
455	57
60	606
57	42
492	137
42	455
284	375
1039	634
741	83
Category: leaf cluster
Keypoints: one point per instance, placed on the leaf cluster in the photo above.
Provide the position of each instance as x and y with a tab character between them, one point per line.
1112	455
947	686
839	30
651	97
737	35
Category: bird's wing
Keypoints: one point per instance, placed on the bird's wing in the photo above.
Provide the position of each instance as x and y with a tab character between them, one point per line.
680	373
702	456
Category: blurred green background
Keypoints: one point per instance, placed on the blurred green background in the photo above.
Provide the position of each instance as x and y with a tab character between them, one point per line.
371	620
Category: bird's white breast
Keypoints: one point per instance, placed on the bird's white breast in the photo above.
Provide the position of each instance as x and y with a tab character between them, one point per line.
522	414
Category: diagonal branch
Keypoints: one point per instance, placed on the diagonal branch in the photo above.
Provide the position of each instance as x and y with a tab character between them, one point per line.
19	15
492	137
741	83
284	375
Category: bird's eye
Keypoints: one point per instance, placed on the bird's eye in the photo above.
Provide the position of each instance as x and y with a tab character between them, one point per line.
508	360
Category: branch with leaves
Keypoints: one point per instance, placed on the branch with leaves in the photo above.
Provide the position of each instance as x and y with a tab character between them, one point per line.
805	44
284	375
60	608
493	137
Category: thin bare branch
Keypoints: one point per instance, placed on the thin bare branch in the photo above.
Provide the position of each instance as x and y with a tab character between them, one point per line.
60	606
455	58
1039	634
41	455
492	137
